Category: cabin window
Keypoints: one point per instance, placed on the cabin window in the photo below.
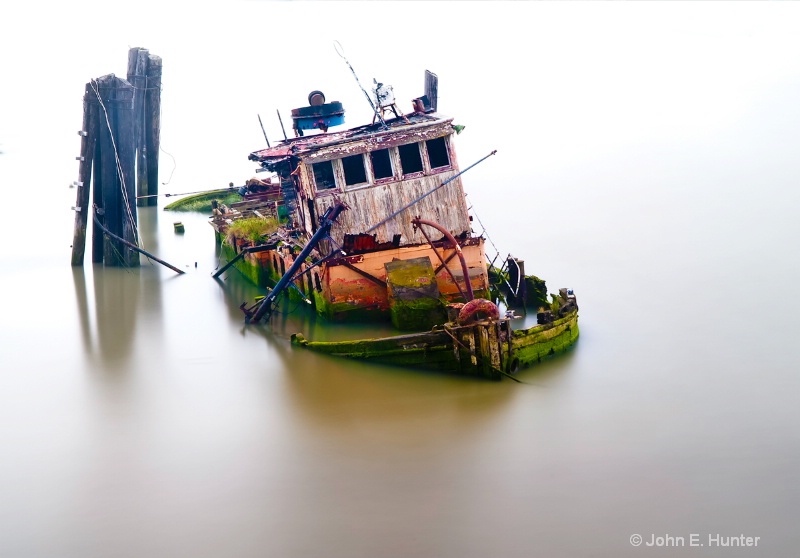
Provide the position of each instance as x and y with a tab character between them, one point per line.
323	175
437	153
381	164
354	172
410	158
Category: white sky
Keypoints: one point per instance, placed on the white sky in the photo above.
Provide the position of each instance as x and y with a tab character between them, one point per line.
550	83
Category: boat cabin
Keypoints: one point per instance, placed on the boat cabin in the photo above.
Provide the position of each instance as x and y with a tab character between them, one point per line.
375	170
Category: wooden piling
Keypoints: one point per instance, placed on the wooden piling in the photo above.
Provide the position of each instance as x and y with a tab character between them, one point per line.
88	134
144	74
116	170
126	149
137	77
152	120
120	136
111	199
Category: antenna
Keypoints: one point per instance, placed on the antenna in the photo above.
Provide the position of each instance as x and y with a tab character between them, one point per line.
262	129
340	51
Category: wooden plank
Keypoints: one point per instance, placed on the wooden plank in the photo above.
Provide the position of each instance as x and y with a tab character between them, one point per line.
368	206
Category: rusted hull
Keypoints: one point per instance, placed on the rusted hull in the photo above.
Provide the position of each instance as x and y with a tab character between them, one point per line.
354	287
357	284
488	349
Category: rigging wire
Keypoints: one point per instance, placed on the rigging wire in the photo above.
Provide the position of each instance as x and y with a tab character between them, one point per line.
174	166
485	232
340	51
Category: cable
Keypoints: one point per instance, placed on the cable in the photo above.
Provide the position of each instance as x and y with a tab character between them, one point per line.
483	226
174	165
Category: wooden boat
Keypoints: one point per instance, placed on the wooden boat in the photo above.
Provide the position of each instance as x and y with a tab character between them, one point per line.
385	175
487	348
375	225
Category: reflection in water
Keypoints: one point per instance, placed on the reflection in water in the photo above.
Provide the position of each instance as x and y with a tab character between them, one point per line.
79	280
123	300
116	302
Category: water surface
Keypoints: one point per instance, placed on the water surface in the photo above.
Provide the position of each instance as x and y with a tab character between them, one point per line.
139	416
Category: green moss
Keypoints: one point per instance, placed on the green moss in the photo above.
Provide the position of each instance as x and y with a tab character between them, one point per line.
257	274
418	315
435	349
414	296
437	355
251	229
540	342
202	202
535	292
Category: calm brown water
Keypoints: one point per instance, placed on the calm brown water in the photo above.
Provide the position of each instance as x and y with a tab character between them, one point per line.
139	416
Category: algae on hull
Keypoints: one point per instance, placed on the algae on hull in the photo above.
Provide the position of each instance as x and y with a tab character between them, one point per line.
488	349
202	202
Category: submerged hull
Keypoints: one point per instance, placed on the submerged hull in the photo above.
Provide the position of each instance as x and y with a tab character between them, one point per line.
489	349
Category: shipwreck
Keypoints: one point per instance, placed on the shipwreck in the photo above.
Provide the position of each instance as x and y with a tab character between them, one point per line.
372	223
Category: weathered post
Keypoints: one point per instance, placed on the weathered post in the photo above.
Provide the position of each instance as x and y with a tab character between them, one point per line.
121	121
88	135
107	195
152	120
116	170
126	150
137	77
516	276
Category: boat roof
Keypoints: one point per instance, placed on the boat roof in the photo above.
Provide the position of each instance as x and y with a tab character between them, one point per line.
303	146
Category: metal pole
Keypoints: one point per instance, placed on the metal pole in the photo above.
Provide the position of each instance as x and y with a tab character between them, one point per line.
265	308
262	129
134	247
281	121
